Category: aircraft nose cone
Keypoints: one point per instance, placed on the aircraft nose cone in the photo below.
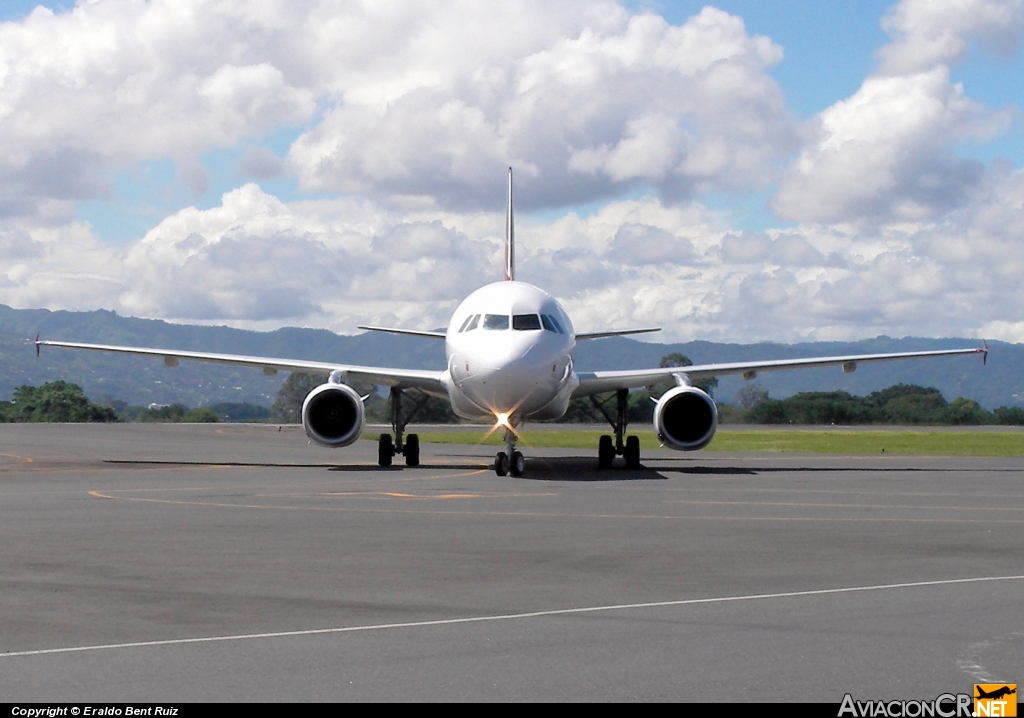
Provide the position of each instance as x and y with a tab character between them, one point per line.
517	384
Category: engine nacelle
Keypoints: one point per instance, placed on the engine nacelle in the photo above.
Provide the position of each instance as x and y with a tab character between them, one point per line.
333	415
685	418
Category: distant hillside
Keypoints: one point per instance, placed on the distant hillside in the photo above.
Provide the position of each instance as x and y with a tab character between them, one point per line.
139	380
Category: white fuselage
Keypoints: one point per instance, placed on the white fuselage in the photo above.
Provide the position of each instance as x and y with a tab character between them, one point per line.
509	347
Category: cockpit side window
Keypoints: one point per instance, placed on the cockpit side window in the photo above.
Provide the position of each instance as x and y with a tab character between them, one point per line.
473	322
525	322
495	321
465	323
551	324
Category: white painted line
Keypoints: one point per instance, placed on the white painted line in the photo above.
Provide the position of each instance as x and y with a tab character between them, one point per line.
510	616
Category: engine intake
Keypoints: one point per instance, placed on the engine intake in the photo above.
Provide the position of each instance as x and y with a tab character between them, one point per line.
686	418
333	415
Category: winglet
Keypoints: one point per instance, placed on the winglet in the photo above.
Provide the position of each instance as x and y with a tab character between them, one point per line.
984	352
510	236
37	343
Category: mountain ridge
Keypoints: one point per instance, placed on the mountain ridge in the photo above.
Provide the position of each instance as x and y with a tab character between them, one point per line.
144	380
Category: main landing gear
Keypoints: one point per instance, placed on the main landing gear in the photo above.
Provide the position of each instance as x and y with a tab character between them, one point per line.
628	449
509	461
410	447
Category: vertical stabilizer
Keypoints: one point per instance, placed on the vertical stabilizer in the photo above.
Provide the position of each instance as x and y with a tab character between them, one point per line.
510	236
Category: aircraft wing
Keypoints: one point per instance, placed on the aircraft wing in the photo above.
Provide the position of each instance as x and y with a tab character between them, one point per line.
425	380
597	382
616	333
407	332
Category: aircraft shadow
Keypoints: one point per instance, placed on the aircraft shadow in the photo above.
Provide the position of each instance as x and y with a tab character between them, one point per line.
583	468
570	468
753	470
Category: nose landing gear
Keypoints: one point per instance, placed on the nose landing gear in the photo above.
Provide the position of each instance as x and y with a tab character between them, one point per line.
509	461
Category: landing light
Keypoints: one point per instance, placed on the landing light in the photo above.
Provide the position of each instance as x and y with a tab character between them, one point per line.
502	420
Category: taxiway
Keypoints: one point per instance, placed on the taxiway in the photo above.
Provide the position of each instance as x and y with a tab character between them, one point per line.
236	562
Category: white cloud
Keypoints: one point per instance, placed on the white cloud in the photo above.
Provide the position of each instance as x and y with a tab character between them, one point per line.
887	153
412	112
255	261
605	107
926	33
107	84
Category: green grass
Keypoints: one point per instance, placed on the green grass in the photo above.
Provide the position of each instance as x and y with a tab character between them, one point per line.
916	442
910	442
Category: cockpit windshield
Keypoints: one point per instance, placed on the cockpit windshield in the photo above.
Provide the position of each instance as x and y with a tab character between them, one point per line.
495	321
520	322
551	324
525	322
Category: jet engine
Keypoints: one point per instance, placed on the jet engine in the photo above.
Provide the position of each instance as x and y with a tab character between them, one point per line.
332	415
685	418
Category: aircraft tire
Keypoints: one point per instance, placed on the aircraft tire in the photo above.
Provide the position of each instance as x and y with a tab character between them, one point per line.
385	450
632	452
501	463
605	452
518	464
412	450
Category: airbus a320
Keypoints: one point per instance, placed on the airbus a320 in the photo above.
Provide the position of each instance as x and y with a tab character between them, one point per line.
509	348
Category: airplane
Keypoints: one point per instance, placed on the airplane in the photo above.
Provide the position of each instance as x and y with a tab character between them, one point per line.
509	348
996	694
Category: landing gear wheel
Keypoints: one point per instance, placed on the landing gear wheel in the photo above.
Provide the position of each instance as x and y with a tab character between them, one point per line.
518	464
412	450
501	464
605	452
385	450
632	452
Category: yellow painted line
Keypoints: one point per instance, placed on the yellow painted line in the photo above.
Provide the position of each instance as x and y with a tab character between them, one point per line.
379	495
835	492
26	459
554	612
296	485
843	506
553	515
400	495
396	495
99	469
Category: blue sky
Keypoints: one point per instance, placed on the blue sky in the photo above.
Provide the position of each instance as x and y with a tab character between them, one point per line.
834	181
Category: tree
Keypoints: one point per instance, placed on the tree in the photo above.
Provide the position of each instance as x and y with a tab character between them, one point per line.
201	415
287	407
1009	415
750	395
967	411
240	411
56	401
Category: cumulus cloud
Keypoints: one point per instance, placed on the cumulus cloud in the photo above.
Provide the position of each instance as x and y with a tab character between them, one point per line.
254	261
603	108
418	101
887	153
926	33
107	84
410	112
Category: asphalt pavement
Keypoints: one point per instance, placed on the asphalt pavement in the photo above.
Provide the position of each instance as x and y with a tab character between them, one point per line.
174	563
